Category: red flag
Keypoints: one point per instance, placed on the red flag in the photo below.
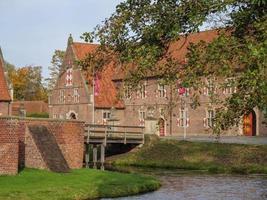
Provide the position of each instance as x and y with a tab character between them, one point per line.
182	90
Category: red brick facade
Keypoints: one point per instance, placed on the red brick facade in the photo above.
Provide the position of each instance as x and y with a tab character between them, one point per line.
72	96
149	106
15	153
9	147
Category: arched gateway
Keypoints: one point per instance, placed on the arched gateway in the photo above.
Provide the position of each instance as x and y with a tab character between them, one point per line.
72	115
250	124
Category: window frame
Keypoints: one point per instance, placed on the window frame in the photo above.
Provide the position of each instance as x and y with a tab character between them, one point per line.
62	97
162	92
76	95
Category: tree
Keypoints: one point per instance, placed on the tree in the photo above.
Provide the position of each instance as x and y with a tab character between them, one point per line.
55	68
140	33
27	84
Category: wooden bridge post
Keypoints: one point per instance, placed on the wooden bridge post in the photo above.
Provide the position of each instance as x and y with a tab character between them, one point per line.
125	135
87	158
95	157
143	134
102	159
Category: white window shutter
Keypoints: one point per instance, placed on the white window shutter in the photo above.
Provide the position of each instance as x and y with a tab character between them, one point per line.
188	91
178	122
187	122
224	90
205	91
165	92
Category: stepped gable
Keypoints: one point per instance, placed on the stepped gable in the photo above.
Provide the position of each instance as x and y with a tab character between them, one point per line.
4	93
177	49
108	94
44	146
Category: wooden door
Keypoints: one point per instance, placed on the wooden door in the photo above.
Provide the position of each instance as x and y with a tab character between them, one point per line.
249	124
161	127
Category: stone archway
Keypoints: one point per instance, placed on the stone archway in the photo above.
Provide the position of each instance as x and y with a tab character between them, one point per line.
250	124
72	115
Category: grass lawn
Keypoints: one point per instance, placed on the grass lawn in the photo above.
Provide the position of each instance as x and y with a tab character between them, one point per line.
211	157
33	184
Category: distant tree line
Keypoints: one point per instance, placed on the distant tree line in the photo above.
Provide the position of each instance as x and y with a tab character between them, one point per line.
28	83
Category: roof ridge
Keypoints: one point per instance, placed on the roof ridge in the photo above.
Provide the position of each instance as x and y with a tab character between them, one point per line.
85	43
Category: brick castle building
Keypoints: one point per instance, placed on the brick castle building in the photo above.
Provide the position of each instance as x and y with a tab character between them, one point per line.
149	106
5	90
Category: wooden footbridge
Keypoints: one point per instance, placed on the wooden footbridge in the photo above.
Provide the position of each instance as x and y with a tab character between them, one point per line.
101	135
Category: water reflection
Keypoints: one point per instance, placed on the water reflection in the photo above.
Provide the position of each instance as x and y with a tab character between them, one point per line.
207	187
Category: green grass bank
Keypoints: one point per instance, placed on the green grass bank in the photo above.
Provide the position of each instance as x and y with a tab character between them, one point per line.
209	157
33	184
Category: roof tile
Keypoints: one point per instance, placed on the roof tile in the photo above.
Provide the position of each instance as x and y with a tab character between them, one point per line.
4	93
108	94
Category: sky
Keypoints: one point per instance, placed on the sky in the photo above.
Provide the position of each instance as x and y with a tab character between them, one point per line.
30	30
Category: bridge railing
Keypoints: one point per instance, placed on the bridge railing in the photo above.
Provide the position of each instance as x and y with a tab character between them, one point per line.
114	132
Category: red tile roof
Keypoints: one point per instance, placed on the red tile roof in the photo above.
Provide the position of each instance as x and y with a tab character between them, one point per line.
179	48
108	94
4	93
82	49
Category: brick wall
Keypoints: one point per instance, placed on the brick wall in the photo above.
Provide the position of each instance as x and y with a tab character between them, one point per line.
68	135
8	147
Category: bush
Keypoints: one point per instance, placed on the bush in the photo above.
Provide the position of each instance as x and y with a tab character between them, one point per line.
37	115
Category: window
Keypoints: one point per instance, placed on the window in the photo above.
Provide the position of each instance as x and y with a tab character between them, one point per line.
69	77
210	87
230	87
106	116
76	95
162	90
62	96
142	116
127	92
61	116
54	116
210	118
183	120
142	93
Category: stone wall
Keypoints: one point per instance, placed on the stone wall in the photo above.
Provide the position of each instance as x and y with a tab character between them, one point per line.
68	135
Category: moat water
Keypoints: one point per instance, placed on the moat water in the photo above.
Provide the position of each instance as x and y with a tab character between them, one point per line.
182	185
